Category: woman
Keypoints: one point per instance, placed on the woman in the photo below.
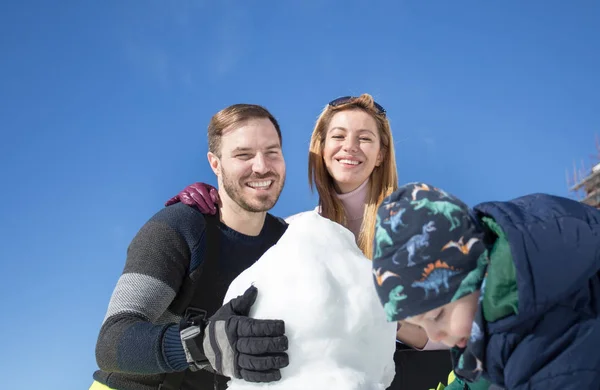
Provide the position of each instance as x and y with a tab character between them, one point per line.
352	164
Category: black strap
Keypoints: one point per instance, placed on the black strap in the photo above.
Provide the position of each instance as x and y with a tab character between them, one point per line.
174	380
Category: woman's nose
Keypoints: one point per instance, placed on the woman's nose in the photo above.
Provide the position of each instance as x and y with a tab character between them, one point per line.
350	144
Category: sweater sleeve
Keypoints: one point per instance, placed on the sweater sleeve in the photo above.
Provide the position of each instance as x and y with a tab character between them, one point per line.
138	334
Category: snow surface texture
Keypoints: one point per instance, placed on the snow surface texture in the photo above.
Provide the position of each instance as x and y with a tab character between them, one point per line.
317	280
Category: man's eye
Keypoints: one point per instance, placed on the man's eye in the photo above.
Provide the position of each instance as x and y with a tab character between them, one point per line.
439	316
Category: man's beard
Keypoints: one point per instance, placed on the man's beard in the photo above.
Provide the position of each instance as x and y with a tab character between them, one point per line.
256	204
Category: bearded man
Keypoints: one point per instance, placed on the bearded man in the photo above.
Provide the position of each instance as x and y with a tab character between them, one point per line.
166	327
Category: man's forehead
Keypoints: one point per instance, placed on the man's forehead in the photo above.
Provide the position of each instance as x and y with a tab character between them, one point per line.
251	123
249	148
247	143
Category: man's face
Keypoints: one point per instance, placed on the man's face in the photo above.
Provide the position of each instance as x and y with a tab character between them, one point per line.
451	324
251	168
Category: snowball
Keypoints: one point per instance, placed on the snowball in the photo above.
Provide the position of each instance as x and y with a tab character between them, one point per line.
318	281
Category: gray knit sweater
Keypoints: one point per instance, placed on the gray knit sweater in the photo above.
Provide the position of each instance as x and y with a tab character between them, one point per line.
139	339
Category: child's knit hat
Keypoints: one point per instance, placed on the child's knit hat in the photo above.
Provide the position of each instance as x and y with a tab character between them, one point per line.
428	251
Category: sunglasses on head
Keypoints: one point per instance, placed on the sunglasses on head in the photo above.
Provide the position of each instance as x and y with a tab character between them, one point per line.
349	99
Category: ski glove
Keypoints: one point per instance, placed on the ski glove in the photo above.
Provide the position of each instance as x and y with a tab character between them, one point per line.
240	347
202	196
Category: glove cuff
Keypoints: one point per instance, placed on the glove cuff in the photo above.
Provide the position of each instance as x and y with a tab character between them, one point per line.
192	329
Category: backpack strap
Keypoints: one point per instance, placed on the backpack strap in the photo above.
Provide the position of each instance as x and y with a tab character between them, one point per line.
202	274
187	290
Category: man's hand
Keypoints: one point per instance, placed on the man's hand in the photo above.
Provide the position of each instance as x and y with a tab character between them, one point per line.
241	347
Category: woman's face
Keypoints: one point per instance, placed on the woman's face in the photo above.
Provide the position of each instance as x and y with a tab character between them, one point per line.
352	149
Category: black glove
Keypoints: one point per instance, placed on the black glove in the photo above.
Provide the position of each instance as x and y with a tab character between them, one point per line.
237	346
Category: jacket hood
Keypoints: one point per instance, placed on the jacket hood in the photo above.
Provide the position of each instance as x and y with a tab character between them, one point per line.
554	242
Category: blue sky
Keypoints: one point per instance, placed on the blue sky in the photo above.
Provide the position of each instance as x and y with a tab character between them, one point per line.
105	106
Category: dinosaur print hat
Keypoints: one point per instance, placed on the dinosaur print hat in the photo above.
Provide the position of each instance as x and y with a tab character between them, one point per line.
428	251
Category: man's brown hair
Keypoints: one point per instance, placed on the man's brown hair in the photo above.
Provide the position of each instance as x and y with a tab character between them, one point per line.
234	116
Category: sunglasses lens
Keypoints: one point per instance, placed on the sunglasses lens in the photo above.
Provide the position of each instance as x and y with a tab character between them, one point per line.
347	99
340	100
380	108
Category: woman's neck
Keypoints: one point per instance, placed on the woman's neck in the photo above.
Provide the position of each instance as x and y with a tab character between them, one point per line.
354	206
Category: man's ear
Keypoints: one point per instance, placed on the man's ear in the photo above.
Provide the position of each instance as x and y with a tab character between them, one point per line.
215	163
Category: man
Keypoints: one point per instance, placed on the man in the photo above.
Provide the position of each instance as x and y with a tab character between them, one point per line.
165	327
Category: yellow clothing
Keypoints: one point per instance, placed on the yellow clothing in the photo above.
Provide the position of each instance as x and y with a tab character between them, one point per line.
451	378
99	386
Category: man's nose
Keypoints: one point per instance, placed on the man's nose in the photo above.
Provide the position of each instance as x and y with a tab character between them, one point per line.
260	165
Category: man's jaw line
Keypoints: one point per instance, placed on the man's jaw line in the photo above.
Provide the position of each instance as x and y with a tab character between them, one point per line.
237	218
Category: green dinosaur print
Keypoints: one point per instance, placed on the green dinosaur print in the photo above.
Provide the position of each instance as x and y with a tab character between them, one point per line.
381	237
439	207
472	282
391	307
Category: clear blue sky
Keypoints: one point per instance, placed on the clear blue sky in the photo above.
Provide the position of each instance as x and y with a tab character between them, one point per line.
104	107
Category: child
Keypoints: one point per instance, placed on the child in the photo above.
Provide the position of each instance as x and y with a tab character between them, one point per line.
513	287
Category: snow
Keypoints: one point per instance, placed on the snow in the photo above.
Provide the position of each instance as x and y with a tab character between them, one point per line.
317	280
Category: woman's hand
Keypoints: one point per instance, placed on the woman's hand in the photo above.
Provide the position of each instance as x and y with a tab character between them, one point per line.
202	196
411	335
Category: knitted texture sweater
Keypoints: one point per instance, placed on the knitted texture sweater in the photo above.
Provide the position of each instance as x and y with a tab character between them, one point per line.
139	338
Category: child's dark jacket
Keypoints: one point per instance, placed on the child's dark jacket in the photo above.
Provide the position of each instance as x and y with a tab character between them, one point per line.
553	283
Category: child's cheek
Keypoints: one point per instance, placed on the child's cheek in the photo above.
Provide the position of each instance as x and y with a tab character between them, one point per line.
461	323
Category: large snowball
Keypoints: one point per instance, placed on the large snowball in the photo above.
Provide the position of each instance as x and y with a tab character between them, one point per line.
317	280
